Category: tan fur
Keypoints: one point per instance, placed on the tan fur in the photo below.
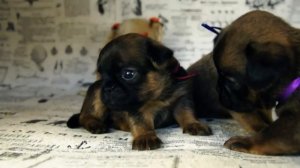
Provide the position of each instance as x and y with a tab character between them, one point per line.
99	107
154	85
120	121
251	122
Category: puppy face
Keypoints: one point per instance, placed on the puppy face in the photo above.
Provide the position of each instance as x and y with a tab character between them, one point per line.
253	61
134	69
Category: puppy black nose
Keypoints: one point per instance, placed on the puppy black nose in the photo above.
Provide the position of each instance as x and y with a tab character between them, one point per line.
109	86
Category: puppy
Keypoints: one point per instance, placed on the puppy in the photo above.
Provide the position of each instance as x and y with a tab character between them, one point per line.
141	89
257	59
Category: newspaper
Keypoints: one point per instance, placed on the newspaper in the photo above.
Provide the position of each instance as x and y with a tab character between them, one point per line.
48	51
57	42
33	134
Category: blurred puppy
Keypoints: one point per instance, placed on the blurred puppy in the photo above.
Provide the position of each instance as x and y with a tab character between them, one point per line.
203	89
141	88
257	59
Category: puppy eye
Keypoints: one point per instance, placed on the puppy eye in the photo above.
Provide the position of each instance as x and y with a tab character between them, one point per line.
128	74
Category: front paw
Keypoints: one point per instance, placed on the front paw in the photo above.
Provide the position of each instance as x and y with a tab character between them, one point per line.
146	142
240	144
197	128
96	128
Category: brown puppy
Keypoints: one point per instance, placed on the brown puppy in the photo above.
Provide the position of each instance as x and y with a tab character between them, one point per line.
140	90
257	58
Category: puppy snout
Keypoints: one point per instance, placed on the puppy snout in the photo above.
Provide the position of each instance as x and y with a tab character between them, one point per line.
110	88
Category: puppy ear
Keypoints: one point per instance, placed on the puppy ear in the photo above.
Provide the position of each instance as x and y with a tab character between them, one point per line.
267	62
159	54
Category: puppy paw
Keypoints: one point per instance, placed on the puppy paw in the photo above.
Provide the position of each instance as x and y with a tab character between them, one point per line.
240	144
197	129
97	128
146	142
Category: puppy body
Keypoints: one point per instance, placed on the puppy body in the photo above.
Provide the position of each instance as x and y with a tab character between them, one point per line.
256	58
138	92
203	87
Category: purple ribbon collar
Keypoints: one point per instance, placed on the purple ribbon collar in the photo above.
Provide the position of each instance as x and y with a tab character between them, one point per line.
290	89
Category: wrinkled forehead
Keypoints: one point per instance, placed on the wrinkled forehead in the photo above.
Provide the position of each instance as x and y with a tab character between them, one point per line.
229	51
120	55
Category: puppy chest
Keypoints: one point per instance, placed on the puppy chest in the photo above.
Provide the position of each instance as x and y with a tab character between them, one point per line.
163	118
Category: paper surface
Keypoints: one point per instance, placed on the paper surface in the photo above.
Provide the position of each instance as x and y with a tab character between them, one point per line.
56	43
33	134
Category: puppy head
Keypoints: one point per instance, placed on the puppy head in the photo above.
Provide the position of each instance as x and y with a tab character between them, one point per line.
134	69
255	58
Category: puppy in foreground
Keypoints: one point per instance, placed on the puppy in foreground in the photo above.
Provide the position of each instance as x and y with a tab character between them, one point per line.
141	88
257	59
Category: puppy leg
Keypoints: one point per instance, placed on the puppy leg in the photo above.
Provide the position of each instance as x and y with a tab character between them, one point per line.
143	131
281	137
251	122
120	121
185	117
94	115
142	125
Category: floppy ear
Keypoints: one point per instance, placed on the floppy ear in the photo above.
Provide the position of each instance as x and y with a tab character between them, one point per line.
158	53
266	64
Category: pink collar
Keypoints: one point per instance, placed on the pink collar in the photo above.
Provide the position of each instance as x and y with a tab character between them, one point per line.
181	74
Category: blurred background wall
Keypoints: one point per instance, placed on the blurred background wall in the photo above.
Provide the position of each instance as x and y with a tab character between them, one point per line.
57	42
